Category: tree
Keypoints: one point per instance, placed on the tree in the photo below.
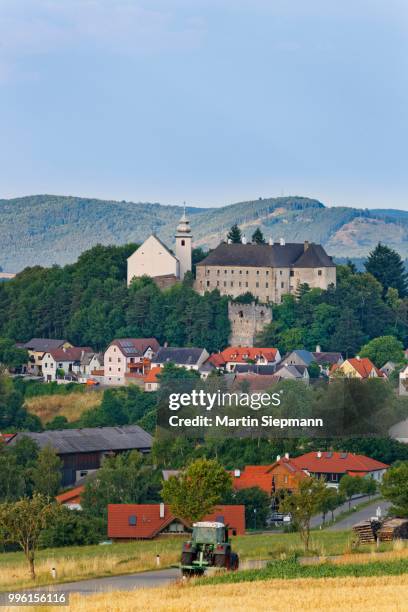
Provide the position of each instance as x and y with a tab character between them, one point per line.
349	486
303	504
257	505
314	370
383	349
395	488
330	501
24	521
369	486
196	490
387	267
258	237
46	474
123	479
10	355
235	234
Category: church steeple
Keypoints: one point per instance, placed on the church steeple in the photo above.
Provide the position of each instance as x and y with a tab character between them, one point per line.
184	240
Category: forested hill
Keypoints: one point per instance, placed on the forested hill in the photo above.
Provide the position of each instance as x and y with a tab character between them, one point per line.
47	229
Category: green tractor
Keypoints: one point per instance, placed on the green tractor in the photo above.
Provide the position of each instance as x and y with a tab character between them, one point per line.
209	547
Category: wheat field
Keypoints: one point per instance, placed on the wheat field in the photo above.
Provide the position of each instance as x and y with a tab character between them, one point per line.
384	593
71	406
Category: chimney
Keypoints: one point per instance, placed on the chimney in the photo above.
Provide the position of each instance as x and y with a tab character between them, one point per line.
244	240
286	455
358	357
161	510
270	241
306	245
319	454
278	457
282	242
237	473
318	348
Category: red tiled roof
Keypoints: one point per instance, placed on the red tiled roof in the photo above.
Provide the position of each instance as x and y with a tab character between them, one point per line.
152	375
149	523
362	365
337	463
241	354
217	360
73	353
7	436
139	344
257	382
253	476
73	496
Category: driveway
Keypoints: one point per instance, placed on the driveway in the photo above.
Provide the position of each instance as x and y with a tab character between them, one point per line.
361	515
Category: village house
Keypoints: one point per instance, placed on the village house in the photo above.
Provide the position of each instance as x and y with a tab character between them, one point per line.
293	372
83	450
36	348
185	357
151	382
268	271
356	367
253	383
155	260
127	358
148	521
324	359
64	362
234	356
333	465
403	381
282	474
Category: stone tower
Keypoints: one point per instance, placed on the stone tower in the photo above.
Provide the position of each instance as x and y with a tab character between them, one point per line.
184	241
247	320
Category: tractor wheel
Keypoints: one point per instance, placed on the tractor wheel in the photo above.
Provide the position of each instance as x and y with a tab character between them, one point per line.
234	562
186	558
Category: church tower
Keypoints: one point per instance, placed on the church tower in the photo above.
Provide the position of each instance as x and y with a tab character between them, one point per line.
184	240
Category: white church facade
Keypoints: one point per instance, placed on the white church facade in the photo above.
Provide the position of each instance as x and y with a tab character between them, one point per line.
154	259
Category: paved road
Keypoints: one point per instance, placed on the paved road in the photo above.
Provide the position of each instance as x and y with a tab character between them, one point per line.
318	519
129	582
361	515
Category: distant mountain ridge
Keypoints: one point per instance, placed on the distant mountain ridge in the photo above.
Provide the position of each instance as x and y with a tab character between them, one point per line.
48	229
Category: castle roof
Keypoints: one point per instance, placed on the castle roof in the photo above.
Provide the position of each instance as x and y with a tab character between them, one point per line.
289	255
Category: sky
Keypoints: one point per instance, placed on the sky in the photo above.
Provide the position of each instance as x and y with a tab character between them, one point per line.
205	101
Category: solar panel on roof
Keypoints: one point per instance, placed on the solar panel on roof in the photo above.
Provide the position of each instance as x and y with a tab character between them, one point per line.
131	350
125	343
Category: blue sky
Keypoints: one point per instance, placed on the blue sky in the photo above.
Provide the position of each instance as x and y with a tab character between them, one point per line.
208	101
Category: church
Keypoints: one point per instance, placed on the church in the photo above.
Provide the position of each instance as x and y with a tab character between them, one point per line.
154	259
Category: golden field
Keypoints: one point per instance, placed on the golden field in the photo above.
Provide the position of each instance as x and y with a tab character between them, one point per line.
71	406
383	593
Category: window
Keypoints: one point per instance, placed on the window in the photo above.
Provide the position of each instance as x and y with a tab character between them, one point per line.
225	271
257	272
218	283
319	272
247	272
280	272
218	272
292	273
183	243
240	271
267	272
257	284
246	284
132	520
266	285
282	285
114	349
232	271
240	283
208	283
225	284
118	369
232	284
110	359
110	370
119	359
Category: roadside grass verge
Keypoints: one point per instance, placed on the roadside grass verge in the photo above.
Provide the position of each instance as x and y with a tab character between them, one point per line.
71	405
291	568
330	594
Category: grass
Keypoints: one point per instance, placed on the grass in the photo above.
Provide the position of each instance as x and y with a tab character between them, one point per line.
330	594
72	405
394	565
81	562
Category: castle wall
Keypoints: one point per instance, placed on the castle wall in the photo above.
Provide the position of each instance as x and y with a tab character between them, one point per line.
247	320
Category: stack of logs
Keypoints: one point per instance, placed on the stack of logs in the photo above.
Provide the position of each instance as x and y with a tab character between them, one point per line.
385	531
394	529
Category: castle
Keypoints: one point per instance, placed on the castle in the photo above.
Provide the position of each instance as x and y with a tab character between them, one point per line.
268	271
